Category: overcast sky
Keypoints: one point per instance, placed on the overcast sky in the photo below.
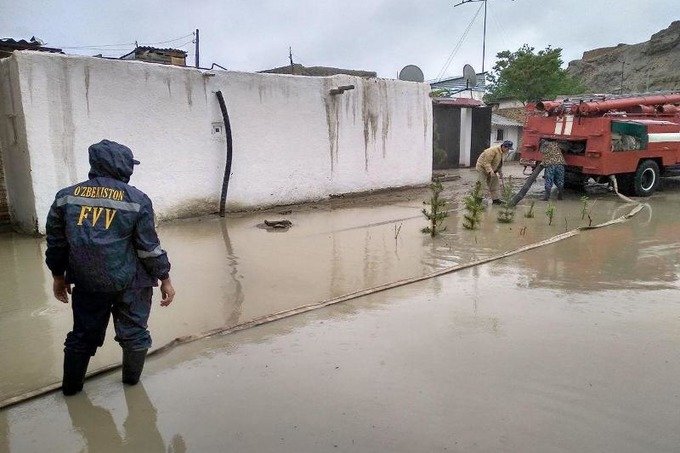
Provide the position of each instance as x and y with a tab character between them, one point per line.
375	35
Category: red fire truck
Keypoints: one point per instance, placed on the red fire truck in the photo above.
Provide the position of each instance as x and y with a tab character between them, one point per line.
635	138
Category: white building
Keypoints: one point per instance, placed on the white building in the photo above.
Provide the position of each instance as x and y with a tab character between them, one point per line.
502	129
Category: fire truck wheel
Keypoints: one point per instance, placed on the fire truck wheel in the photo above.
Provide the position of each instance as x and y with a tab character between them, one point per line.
646	178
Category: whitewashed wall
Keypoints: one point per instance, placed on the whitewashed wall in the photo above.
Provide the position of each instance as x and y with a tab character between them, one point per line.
293	141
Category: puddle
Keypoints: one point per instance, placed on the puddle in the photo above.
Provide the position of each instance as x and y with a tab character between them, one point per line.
611	292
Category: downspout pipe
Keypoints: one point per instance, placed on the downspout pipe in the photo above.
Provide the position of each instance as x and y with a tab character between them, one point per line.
227	168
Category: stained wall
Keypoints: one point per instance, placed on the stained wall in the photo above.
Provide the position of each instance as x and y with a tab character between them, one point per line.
293	141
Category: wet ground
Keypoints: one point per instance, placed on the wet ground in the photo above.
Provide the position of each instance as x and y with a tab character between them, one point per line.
573	346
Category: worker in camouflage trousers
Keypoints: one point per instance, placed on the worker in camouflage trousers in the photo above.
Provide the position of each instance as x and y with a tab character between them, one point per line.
554	163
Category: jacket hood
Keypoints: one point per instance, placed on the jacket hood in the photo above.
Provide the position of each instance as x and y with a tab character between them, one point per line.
112	160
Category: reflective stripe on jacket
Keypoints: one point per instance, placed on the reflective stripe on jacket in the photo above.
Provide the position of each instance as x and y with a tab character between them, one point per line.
101	232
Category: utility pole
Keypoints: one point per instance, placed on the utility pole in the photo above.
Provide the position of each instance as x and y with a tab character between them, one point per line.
196	41
290	56
462	2
622	64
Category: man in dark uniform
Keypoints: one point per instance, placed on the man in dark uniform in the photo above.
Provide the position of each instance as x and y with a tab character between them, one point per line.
101	239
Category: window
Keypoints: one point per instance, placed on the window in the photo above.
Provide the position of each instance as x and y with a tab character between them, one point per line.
500	135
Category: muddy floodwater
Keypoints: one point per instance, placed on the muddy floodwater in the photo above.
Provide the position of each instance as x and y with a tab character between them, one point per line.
569	347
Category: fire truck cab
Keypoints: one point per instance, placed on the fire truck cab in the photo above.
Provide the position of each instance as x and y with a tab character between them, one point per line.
635	138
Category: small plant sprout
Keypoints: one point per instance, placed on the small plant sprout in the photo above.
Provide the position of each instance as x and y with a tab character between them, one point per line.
550	212
437	212
584	208
530	213
473	208
507	212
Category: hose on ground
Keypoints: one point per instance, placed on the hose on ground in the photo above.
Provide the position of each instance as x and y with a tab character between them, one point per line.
336	300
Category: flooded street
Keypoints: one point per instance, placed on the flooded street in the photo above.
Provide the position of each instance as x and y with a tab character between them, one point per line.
573	346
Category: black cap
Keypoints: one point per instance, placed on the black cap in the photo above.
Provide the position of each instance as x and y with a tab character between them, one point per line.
507	144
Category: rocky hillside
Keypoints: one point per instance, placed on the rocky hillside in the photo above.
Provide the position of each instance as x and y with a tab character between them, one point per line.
648	66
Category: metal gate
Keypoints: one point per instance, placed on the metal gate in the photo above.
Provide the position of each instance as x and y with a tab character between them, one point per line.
481	132
446	140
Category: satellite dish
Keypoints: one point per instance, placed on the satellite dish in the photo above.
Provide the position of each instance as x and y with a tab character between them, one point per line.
411	73
470	76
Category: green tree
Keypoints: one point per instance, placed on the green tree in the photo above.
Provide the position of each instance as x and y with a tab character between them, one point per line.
529	76
473	206
437	213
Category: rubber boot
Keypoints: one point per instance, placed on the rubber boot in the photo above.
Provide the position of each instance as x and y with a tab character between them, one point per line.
75	367
560	192
546	195
133	364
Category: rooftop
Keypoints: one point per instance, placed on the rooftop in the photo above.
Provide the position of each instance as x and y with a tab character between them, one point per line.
9	45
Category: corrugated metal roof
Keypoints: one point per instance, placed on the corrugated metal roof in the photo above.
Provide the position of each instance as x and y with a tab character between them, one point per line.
22	44
145	51
318	71
498	120
460	102
457	84
168	50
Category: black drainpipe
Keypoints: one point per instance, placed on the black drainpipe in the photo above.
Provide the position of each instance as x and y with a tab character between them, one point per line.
227	169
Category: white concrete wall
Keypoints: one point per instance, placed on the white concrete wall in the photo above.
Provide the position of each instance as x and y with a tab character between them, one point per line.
14	148
470	94
292	141
510	104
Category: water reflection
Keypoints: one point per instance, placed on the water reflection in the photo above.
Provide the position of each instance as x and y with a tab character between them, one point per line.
100	433
640	253
234	314
227	271
31	325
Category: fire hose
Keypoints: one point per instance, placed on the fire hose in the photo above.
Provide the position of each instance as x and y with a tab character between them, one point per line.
344	298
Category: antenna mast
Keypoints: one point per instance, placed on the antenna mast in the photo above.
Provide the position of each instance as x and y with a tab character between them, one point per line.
462	2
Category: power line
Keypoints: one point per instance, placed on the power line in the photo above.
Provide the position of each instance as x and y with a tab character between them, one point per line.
457	48
102	46
463	2
172	40
118	46
182	45
501	28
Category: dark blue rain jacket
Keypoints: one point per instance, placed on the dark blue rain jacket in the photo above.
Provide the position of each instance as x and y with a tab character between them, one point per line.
100	232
